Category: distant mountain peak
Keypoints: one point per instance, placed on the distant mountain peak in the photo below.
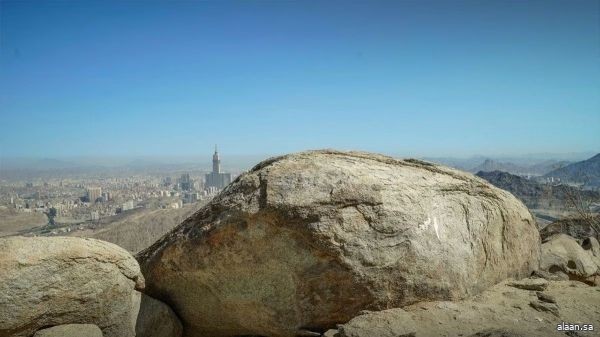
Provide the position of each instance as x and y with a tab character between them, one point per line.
586	172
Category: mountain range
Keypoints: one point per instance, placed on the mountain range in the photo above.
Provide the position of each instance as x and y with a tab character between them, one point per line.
541	168
585	172
535	194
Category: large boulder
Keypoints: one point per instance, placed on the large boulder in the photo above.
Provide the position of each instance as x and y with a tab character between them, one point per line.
53	281
308	240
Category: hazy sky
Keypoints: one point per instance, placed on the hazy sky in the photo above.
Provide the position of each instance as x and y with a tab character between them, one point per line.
426	78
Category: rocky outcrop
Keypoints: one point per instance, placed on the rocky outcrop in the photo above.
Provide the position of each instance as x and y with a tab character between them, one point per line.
561	253
503	310
54	281
308	240
500	311
70	330
156	319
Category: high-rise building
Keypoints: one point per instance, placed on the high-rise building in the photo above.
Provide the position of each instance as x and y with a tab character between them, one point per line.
106	196
93	193
185	182
216	178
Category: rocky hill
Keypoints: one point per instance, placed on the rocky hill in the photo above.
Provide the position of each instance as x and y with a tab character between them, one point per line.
534	194
586	172
140	229
490	165
541	168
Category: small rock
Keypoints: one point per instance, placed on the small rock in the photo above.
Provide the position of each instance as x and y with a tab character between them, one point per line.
545	307
538	284
593	280
497	333
556	276
545	297
331	333
70	330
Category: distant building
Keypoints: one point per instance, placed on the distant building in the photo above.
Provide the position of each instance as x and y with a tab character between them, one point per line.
216	178
106	196
93	193
185	183
127	205
189	198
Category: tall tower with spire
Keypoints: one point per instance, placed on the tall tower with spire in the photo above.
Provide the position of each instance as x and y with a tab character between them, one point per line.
216	162
217	178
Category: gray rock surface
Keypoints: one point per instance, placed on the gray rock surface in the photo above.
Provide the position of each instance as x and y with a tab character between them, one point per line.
545	297
386	323
538	284
310	239
555	276
156	319
70	330
60	280
545	306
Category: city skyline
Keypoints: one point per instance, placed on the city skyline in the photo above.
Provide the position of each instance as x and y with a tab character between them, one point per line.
457	78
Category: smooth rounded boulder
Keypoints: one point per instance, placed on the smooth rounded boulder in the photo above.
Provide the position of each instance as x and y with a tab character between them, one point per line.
308	240
54	281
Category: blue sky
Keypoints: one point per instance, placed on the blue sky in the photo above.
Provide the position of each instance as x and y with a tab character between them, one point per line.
447	78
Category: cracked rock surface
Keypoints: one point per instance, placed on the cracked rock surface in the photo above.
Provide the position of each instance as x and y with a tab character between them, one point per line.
308	240
52	281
